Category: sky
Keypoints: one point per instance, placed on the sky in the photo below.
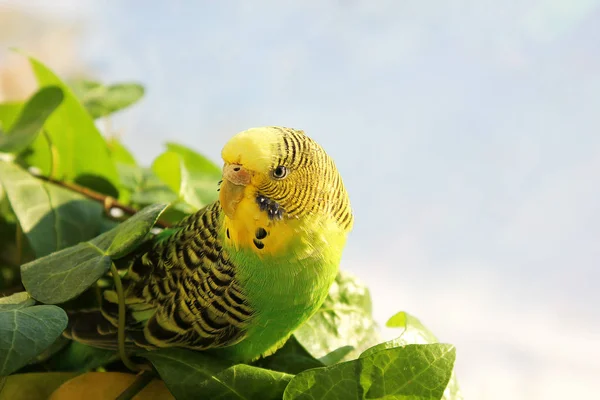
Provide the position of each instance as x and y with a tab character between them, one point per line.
466	134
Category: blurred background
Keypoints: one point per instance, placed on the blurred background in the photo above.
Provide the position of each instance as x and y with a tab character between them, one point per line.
466	133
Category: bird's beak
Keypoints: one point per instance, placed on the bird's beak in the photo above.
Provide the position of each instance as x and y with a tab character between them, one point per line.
235	180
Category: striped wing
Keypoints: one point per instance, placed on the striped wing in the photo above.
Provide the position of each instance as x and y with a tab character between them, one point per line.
181	290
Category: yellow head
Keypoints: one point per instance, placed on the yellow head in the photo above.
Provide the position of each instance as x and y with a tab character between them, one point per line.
274	174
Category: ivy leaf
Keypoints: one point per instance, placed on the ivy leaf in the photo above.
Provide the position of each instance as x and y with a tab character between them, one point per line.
31	120
81	152
411	372
26	330
414	332
194	375
65	274
52	217
343	327
101	100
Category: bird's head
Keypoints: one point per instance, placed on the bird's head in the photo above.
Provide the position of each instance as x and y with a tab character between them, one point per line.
286	173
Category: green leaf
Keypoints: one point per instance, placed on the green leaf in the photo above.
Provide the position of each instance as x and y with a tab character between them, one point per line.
80	149
37	385
200	184
80	357
292	358
31	120
192	176
52	217
130	174
16	301
65	274
414	332
411	372
26	331
123	239
9	112
194	375
195	161
101	100
119	153
167	168
344	319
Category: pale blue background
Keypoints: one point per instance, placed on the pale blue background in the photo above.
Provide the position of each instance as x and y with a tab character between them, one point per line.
466	133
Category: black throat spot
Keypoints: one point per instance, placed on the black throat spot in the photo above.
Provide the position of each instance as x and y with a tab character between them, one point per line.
272	208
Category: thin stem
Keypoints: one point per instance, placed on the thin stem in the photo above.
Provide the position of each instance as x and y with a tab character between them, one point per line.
121	320
107	201
137	386
54	160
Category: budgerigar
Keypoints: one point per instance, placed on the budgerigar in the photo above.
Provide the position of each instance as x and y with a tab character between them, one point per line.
239	276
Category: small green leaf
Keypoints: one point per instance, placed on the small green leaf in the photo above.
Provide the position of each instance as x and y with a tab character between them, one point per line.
192	176
119	153
37	385
152	190
199	177
63	275
195	161
52	217
27	331
101	100
343	320
194	375
411	372
123	239
414	332
167	168
81	150
16	301
31	120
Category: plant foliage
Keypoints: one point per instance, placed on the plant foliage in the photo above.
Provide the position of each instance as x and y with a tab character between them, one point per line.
61	183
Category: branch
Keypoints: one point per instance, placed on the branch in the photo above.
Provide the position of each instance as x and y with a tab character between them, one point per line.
108	202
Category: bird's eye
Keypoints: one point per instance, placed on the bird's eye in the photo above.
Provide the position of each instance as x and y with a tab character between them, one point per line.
280	172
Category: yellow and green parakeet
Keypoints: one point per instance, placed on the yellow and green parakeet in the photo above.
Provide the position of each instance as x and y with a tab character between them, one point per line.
239	276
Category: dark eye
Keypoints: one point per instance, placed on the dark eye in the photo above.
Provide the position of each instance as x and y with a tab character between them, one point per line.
280	172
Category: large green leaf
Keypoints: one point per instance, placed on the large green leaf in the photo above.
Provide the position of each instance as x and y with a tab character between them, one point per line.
81	152
26	330
411	372
101	100
414	332
343	327
64	275
193	375
33	386
31	119
9	112
52	217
